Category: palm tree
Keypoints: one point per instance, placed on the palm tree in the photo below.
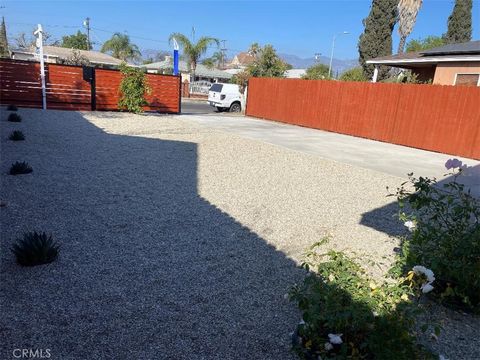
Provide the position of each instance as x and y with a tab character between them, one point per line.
254	50
407	15
121	47
193	51
218	57
209	63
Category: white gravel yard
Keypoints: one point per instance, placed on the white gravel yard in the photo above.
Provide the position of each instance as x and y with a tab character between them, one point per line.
177	241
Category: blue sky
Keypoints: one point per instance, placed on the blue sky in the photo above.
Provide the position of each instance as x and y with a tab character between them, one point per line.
294	27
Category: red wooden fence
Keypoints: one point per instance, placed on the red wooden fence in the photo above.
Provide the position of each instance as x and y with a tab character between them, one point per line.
438	118
164	95
20	85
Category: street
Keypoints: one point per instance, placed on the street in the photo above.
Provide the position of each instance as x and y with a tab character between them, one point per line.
197	107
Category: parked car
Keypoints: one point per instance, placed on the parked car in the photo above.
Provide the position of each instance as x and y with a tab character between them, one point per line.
225	97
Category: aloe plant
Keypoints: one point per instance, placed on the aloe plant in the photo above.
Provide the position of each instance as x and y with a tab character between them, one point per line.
17	135
14	117
35	249
19	168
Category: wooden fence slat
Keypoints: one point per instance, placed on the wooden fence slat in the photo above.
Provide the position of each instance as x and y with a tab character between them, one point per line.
66	89
431	117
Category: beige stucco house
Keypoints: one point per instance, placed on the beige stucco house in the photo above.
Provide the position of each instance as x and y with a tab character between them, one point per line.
453	64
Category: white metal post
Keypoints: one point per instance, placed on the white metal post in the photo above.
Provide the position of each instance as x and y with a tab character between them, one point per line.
331	56
375	74
39	34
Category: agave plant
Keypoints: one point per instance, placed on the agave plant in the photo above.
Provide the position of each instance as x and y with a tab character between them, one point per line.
14	117
16	135
18	168
35	249
12	107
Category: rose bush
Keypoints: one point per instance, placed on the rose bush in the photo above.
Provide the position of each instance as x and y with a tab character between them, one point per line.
346	315
443	219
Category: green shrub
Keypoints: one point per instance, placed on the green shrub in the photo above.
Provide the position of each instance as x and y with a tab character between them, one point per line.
16	135
355	74
14	118
445	234
18	168
133	88
12	107
346	315
35	249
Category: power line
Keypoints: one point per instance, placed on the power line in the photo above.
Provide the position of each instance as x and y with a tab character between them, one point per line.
132	36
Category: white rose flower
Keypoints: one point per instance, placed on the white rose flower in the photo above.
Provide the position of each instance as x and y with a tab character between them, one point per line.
426	288
422	270
410	225
335	338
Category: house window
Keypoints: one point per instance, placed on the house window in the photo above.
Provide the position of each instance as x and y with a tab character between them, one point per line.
467	79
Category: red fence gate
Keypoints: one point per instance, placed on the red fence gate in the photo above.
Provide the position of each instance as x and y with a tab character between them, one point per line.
431	117
66	88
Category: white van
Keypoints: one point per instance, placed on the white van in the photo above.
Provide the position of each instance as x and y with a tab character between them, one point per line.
225	97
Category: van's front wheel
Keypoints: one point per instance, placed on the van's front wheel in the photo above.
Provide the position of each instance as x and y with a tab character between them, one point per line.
235	107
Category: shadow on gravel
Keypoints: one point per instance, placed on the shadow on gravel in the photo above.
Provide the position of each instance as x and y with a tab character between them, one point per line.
148	269
385	218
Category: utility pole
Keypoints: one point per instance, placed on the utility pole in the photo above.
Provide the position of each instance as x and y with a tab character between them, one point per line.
223	50
86	23
39	43
333	49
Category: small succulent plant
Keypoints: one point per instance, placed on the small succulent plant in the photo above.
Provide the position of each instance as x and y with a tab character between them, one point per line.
19	168
35	249
12	107
14	117
16	135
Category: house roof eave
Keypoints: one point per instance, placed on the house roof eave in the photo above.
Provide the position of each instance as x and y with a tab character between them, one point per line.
422	61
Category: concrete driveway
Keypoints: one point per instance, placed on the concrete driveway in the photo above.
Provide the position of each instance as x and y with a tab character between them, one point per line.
386	158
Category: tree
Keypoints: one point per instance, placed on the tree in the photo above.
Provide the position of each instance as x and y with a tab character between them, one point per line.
3	40
316	72
24	42
193	51
407	15
254	49
429	42
376	39
75	41
219	58
354	74
75	58
460	23
267	64
120	47
209	63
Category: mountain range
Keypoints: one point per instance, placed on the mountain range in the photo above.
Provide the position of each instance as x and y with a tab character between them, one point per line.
304	63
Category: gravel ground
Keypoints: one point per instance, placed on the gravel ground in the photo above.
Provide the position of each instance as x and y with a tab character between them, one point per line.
178	242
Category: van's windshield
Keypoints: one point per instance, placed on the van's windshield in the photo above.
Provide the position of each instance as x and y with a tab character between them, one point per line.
216	87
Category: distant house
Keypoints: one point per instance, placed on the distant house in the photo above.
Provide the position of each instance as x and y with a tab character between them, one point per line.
241	61
55	54
453	64
202	73
295	73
